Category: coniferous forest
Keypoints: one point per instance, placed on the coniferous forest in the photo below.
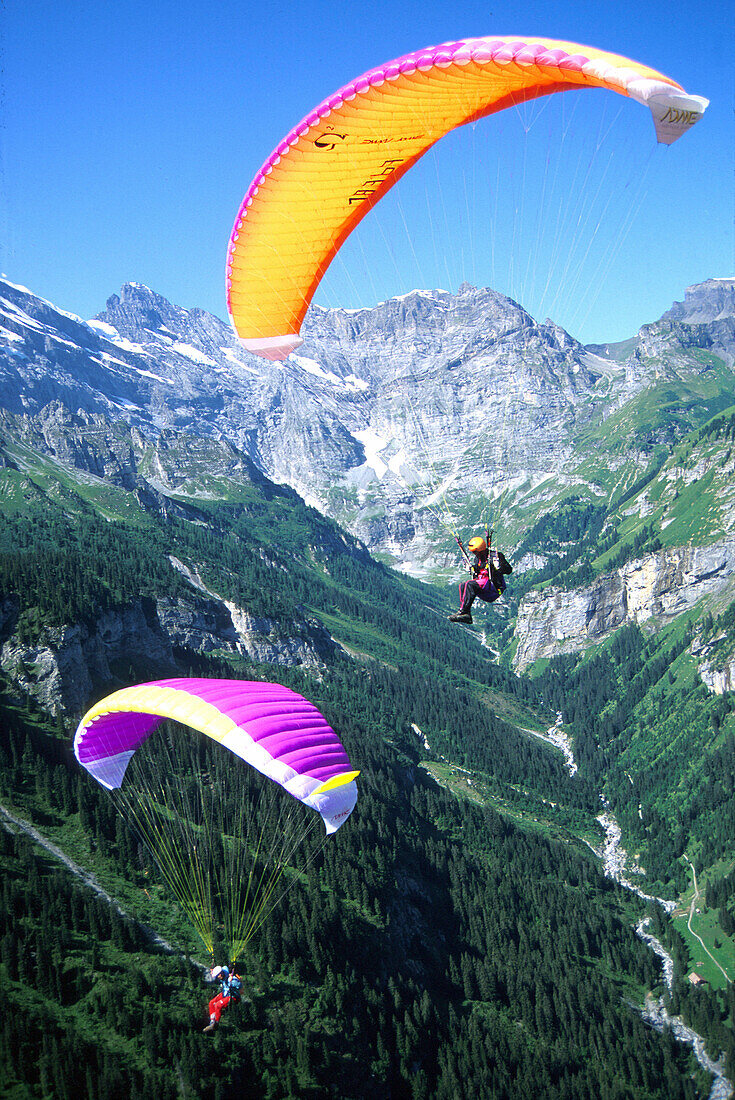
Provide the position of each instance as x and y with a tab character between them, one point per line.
436	950
457	936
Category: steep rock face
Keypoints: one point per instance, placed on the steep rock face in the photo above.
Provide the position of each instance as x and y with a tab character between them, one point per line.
380	409
68	664
198	624
62	670
219	626
461	394
712	300
664	346
118	454
307	643
85	441
716	662
210	623
658	587
719	680
704	320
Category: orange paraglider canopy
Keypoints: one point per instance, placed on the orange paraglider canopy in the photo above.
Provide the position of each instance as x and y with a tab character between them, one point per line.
332	168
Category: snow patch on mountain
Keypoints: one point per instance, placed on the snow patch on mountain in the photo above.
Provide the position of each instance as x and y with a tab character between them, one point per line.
193	354
349	382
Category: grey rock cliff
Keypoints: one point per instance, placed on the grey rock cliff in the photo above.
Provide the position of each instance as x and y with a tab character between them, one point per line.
386	416
712	300
66	665
656	588
719	679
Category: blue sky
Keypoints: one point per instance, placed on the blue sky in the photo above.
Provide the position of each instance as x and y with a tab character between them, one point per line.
130	131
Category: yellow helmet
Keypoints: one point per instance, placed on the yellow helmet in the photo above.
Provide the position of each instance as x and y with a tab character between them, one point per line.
476	545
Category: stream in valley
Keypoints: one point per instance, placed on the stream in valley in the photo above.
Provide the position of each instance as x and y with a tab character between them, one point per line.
618	866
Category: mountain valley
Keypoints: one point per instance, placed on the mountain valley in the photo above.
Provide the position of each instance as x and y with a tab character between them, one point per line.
173	506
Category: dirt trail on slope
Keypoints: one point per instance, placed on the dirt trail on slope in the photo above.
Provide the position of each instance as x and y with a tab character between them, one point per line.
11	822
695	899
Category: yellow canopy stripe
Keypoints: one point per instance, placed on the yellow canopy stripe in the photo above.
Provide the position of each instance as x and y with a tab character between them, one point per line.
167	702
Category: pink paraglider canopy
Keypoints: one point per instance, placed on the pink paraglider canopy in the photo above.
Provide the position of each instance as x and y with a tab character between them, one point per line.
273	728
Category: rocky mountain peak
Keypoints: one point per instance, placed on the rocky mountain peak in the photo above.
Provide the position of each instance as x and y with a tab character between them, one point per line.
141	316
436	322
462	394
712	300
137	306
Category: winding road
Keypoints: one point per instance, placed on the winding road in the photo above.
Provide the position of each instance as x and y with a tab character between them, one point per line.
695	899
